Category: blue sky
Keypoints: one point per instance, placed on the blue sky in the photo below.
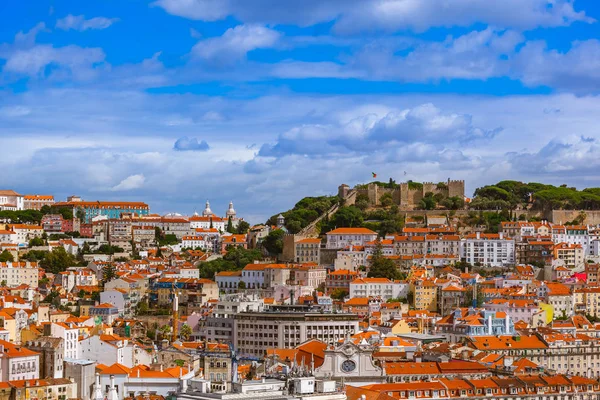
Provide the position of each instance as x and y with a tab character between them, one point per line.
263	102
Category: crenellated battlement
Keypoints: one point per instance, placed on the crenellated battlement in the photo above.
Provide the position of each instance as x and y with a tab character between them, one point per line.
406	196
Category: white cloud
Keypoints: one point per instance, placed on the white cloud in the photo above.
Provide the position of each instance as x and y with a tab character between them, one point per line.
577	69
234	44
370	133
113	135
130	183
79	23
389	15
79	63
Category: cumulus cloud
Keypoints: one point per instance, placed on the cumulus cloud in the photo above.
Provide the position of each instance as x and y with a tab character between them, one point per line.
234	44
190	144
569	156
130	183
370	132
390	15
576	69
79	23
77	62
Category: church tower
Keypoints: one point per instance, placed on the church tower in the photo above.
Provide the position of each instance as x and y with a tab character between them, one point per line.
230	211
207	211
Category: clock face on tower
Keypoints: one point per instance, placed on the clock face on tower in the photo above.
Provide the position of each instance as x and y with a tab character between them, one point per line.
348	366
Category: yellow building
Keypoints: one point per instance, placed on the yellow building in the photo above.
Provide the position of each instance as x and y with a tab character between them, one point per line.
44	389
9	324
424	294
587	301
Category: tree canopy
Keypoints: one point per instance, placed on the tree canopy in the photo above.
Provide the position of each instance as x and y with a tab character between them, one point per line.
382	267
273	243
235	259
304	212
509	194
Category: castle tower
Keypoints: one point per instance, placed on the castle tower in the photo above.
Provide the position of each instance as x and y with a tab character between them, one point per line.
230	211
207	211
280	221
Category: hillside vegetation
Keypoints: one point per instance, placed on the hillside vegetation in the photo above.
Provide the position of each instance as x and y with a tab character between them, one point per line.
515	194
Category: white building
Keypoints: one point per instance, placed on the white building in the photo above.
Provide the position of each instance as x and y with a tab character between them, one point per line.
378	287
195	242
24	233
343	237
11	200
573	234
17	273
7	236
70	336
18	363
104	349
488	249
288	326
228	281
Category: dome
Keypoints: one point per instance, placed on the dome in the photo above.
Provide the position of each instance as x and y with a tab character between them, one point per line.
207	211
230	211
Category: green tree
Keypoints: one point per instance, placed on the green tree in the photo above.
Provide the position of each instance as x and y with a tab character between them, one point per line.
273	243
428	202
58	260
36	242
242	227
241	285
348	217
382	267
142	308
6	256
386	199
109	272
185	332
338	294
230	225
80	214
165	331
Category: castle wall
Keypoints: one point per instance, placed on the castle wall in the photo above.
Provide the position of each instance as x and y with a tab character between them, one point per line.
403	196
456	188
373	193
562	216
413	197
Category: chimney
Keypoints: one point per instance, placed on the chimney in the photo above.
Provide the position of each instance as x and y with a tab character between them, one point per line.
501	235
478	235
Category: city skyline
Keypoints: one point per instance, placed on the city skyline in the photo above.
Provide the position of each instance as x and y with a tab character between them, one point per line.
173	102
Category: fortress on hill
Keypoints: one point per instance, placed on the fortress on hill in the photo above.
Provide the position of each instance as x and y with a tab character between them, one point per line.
406	195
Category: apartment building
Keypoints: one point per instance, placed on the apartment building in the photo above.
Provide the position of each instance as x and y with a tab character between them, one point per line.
572	254
573	234
17	273
488	249
308	250
37	201
289	326
340	279
343	237
24	233
378	287
11	200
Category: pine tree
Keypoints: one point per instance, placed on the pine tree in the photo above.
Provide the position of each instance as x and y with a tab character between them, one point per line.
230	225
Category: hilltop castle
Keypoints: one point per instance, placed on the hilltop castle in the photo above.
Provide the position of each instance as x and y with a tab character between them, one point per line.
406	195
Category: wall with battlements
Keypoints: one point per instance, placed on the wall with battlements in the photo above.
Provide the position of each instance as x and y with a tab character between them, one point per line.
403	196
